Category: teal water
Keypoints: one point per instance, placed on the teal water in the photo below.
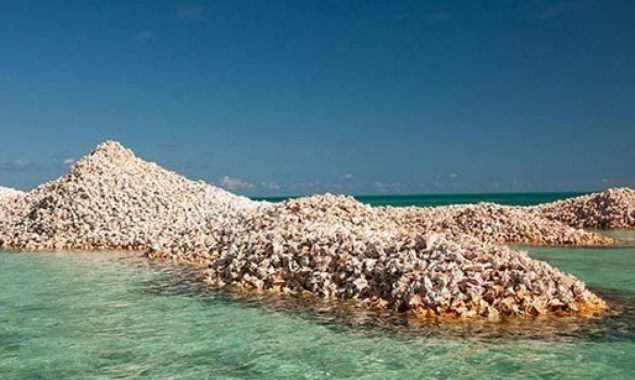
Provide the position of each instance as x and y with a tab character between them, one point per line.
106	315
522	199
114	315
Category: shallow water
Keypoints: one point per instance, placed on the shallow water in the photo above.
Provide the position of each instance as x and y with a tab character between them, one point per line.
105	315
625	237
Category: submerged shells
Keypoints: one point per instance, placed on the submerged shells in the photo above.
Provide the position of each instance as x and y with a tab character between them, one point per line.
431	262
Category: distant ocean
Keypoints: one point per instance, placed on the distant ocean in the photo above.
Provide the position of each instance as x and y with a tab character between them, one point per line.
519	199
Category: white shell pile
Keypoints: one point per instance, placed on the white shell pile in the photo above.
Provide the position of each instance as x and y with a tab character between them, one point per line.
496	224
613	208
6	192
113	200
433	262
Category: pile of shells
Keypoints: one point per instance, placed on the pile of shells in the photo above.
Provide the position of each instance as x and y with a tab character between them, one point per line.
432	262
6	192
613	208
336	247
113	200
494	223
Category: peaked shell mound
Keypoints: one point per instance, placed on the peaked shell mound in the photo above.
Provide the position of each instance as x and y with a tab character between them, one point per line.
613	208
432	262
112	200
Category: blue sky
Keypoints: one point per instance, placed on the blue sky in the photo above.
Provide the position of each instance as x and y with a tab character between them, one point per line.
348	96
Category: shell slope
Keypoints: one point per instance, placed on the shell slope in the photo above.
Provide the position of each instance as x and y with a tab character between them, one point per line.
613	208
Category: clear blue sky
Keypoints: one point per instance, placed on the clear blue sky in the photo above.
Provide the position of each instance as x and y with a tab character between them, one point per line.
351	96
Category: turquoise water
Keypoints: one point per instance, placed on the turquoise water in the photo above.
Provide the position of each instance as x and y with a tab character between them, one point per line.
523	199
106	315
114	315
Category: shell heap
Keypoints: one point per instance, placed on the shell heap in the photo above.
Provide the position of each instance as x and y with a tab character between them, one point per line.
6	192
113	200
494	223
428	262
613	208
335	247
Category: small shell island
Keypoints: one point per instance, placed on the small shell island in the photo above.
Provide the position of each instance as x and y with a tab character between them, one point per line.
443	262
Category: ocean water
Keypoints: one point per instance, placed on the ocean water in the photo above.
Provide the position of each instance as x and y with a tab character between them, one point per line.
116	315
522	199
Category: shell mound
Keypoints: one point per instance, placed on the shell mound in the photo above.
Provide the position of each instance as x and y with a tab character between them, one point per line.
112	200
613	208
494	223
328	246
336	247
6	192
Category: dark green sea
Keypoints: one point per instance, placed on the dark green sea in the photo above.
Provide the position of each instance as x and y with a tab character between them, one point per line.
114	315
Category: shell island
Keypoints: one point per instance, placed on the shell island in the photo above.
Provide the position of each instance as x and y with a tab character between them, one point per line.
444	262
